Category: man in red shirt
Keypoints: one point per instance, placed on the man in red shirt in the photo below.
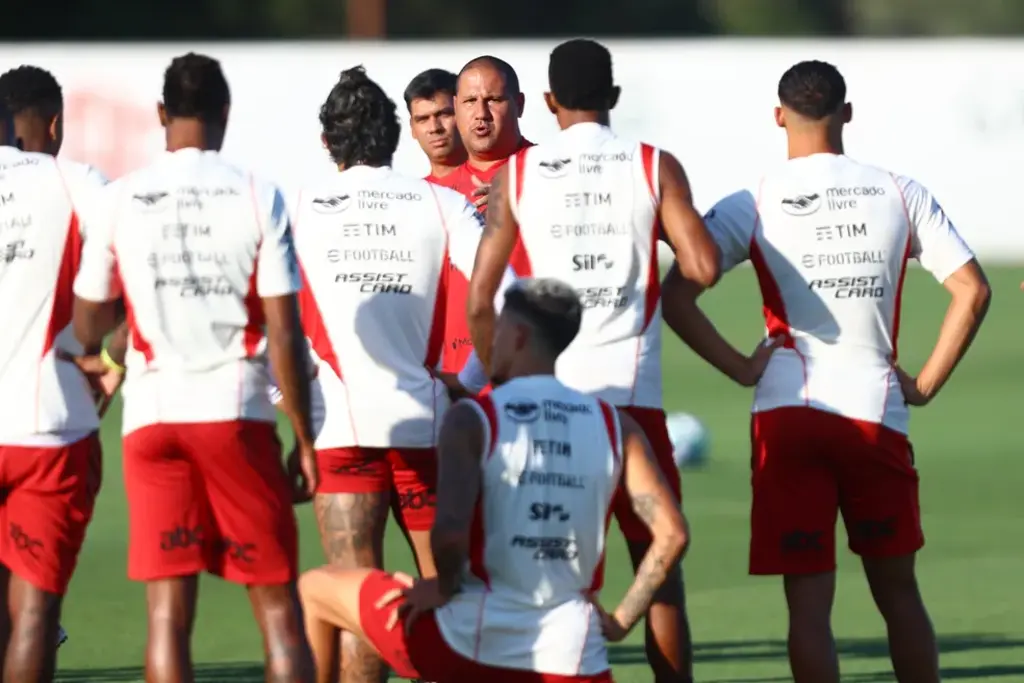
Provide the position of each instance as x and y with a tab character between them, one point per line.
488	104
430	99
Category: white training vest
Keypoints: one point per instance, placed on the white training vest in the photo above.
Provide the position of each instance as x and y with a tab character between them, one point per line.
830	239
549	475
587	205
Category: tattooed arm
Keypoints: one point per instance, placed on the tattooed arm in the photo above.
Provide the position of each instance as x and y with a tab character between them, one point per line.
653	503
499	240
460	448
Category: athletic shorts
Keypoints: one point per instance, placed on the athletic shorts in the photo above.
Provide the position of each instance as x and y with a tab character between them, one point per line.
809	465
48	498
209	497
409	473
652	422
423	653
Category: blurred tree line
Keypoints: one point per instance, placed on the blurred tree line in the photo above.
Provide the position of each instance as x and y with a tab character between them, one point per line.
412	19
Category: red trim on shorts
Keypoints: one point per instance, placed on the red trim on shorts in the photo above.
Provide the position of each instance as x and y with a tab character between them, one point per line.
477	531
597	582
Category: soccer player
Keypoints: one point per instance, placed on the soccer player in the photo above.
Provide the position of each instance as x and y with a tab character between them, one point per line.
488	105
35	102
202	254
586	207
430	99
374	247
830	239
526	482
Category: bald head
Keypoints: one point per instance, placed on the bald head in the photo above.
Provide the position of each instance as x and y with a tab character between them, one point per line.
500	66
488	105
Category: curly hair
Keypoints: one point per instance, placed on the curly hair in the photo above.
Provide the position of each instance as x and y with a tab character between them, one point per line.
359	121
31	89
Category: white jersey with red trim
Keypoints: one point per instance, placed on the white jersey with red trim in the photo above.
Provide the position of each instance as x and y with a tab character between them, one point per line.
587	205
193	244
830	239
374	248
43	401
549	473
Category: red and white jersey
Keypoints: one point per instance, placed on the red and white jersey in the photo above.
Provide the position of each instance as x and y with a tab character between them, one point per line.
193	244
830	239
375	248
550	470
43	401
587	206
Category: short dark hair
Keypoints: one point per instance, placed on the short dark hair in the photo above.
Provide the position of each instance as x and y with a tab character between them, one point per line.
426	86
550	306
580	75
359	121
503	67
195	88
31	89
813	89
6	124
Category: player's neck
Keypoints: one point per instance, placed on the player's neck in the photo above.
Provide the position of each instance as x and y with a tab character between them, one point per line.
568	119
816	142
188	134
531	367
443	169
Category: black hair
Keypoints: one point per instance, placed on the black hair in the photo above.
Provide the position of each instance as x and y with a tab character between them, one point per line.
551	307
195	88
359	121
6	124
426	85
580	75
503	67
813	89
30	89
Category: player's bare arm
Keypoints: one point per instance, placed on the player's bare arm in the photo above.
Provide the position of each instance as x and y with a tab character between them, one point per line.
695	250
653	503
970	292
92	321
286	346
499	239
684	316
459	449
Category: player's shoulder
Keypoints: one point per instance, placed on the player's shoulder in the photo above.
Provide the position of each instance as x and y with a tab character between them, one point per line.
82	173
18	162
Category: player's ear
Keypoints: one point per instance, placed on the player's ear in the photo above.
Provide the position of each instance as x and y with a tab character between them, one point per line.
550	102
161	112
55	127
780	117
616	91
323	140
520	103
847	113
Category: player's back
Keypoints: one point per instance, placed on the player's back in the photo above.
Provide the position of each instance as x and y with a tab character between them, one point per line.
830	239
548	477
374	248
188	232
587	203
41	246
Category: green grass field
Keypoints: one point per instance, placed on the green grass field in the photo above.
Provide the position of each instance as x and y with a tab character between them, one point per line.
972	465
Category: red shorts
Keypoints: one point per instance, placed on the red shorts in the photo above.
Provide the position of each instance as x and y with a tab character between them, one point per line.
424	654
209	497
652	422
808	465
409	473
48	498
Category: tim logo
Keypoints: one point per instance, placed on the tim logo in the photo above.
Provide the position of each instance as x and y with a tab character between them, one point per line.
150	202
802	204
522	411
335	204
556	168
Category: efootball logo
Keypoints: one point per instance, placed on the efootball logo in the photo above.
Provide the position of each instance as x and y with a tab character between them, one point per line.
556	168
150	202
334	204
522	411
802	204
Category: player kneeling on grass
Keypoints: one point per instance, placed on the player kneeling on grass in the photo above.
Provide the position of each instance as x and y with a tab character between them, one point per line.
526	481
830	239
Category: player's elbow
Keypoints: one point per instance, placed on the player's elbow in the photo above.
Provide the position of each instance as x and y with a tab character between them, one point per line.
702	269
478	305
672	532
91	322
448	542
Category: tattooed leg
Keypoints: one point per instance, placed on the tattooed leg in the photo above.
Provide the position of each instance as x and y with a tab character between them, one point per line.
34	616
352	533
